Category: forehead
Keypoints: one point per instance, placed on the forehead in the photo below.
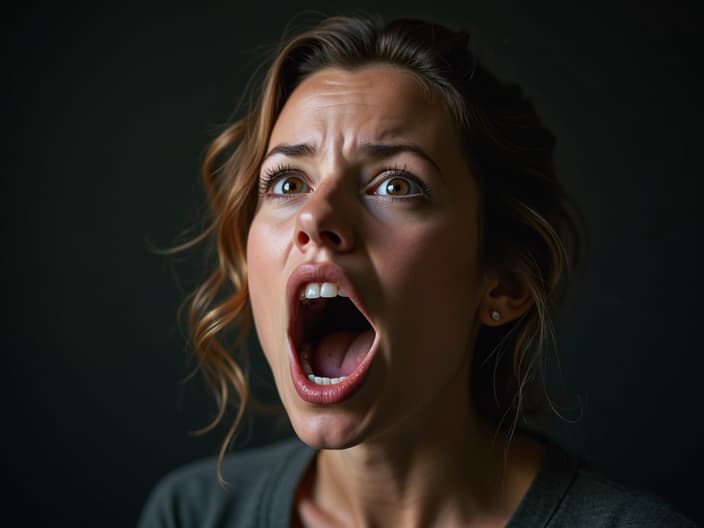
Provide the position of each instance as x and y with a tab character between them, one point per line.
372	103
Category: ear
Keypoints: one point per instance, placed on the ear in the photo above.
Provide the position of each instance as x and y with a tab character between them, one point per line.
506	298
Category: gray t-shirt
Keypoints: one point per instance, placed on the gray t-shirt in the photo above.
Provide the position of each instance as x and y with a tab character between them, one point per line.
262	483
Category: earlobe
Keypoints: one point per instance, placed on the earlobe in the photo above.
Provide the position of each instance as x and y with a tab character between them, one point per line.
505	299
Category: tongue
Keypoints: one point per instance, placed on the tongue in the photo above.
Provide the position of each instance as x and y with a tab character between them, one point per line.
339	353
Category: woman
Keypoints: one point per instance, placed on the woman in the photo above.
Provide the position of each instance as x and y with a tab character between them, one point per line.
388	214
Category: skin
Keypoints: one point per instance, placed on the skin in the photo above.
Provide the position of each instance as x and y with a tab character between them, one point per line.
414	260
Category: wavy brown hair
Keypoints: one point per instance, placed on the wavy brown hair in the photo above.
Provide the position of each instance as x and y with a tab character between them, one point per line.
529	228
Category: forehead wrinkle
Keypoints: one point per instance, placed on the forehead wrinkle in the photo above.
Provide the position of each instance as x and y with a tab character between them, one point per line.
342	104
336	141
324	111
351	132
324	100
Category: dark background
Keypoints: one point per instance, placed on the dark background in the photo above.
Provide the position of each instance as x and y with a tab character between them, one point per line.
107	112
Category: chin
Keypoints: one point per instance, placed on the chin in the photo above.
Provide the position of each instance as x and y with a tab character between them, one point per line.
328	428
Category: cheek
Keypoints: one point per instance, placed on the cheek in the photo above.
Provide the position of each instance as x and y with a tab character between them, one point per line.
433	287
436	261
269	238
256	266
265	261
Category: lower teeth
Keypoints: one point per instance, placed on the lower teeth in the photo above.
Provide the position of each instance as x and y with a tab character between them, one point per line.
308	370
322	380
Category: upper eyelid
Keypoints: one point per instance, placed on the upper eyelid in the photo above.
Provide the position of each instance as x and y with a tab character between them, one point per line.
269	175
280	167
423	188
399	172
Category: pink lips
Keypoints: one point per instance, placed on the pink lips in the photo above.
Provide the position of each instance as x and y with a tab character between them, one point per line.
306	389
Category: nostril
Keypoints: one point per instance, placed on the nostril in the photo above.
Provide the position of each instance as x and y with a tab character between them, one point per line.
326	237
331	237
303	238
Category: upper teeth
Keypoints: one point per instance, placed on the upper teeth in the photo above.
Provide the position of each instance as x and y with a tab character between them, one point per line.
315	290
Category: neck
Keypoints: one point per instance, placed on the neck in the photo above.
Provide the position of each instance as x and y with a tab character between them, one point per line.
444	468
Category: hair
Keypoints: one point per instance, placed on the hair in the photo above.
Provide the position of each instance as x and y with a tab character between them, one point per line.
529	228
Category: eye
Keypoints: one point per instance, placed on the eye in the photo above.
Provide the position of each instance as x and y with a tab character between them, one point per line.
287	185
282	182
400	184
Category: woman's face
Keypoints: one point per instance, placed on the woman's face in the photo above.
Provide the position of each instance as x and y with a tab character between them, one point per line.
365	189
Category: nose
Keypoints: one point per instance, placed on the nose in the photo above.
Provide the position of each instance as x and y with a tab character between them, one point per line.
324	222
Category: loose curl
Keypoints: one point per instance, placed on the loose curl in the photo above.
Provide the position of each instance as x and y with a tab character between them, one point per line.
529	229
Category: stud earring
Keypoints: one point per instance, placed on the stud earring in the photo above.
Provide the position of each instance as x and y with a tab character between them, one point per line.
495	314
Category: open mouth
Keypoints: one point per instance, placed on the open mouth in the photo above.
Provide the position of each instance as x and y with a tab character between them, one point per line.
335	336
331	338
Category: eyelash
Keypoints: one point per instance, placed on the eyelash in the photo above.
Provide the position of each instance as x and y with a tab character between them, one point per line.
273	174
400	172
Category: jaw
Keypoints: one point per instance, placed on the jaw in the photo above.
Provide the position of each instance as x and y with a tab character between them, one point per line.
336	416
331	338
312	390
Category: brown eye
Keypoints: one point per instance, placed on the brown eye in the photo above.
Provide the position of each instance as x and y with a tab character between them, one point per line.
398	186
289	185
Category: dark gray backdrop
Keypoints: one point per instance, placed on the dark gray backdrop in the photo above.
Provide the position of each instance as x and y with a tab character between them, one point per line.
107	112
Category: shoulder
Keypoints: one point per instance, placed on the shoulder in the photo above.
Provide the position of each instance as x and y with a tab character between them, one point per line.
595	500
193	496
572	493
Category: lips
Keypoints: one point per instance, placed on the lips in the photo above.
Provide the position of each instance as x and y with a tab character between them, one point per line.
338	389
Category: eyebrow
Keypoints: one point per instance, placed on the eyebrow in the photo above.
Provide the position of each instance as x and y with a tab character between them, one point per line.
373	150
382	150
294	151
